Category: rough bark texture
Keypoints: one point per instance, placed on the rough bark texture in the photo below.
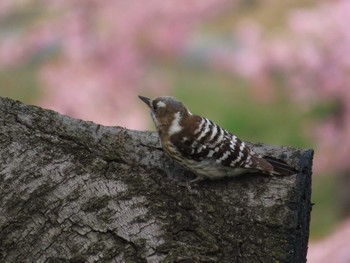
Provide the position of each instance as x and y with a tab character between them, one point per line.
74	191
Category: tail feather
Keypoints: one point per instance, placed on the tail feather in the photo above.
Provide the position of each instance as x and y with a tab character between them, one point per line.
280	167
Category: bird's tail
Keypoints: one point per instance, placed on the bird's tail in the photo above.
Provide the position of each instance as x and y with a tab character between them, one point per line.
280	167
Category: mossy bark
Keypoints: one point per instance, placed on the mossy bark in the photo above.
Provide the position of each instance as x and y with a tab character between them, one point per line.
75	191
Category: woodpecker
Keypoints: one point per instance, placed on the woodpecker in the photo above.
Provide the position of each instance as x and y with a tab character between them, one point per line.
203	147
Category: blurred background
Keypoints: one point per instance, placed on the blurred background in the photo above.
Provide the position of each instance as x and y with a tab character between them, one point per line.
271	71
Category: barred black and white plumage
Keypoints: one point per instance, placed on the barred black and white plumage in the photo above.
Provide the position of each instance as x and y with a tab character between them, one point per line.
203	147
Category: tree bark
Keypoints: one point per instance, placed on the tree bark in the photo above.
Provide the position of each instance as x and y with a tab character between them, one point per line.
75	191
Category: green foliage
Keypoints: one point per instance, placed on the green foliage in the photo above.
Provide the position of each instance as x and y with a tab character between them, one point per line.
228	101
19	83
325	212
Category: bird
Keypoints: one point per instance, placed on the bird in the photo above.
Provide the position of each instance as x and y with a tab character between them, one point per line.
203	147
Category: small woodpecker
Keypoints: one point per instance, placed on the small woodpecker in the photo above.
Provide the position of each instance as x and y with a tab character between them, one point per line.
203	147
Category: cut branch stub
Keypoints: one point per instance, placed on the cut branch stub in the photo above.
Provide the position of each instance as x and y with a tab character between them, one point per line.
75	191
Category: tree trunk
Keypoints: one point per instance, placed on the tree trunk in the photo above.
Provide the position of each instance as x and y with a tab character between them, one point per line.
75	191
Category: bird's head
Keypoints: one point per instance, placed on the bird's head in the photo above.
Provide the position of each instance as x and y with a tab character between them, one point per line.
167	113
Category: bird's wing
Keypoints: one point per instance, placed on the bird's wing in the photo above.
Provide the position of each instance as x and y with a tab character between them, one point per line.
215	146
280	167
210	143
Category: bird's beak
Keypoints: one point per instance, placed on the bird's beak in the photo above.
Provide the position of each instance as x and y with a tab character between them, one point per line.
146	100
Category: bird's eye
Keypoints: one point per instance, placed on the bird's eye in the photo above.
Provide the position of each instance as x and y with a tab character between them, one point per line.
155	106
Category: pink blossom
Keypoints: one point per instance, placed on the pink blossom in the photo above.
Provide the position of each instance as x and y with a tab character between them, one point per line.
313	56
104	52
334	249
